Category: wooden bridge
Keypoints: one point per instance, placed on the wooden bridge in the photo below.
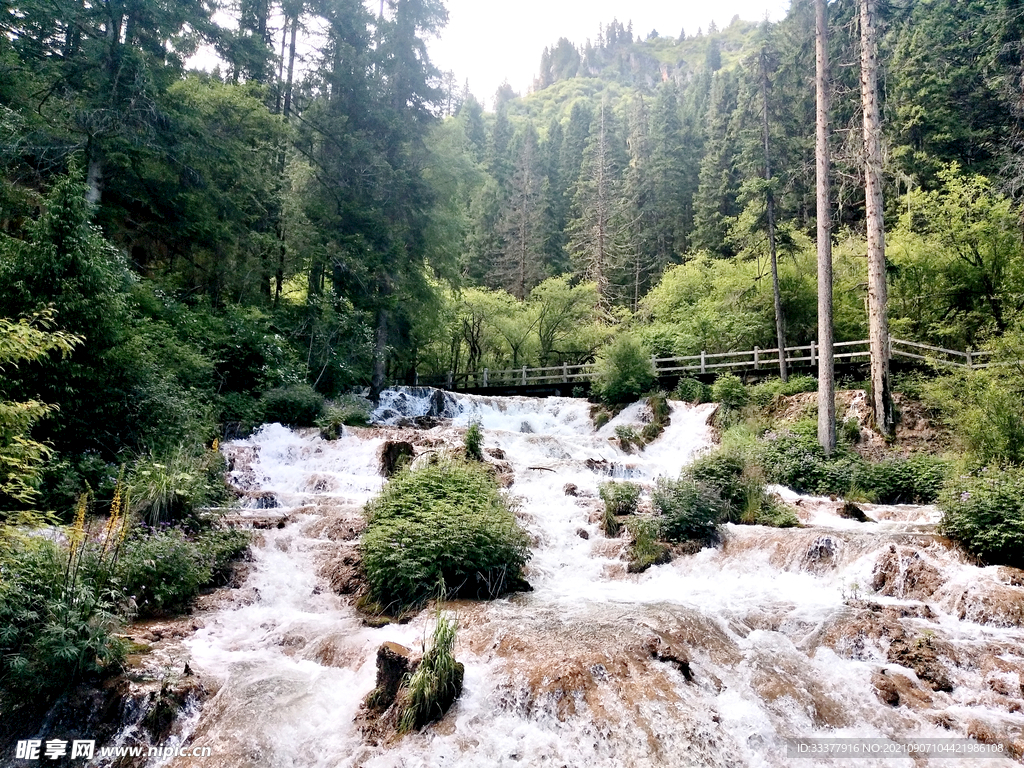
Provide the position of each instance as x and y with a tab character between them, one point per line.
563	378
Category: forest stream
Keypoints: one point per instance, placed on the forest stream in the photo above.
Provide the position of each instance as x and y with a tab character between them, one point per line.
835	629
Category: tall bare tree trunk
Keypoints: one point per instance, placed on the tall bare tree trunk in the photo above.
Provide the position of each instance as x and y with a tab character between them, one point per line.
878	323
380	351
780	322
826	360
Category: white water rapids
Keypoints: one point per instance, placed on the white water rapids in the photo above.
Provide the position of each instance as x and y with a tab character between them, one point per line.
783	631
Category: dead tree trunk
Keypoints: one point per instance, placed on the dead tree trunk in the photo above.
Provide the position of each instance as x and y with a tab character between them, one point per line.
826	360
878	323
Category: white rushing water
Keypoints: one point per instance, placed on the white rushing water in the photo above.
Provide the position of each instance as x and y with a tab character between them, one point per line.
787	633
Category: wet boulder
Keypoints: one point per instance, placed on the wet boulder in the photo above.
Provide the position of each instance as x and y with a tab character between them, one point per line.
903	572
851	511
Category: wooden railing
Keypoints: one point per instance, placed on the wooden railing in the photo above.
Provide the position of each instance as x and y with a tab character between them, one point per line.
755	359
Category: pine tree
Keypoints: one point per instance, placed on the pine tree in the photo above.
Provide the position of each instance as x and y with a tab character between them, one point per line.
596	232
521	223
716	200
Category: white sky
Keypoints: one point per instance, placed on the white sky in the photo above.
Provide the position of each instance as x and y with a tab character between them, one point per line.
487	41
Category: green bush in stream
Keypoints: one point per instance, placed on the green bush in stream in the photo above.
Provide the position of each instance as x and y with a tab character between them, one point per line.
691	511
437	681
447	520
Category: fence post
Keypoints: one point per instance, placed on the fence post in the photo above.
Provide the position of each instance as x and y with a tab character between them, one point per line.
565	373
703	362
757	359
524	375
970	360
814	353
654	365
485	378
415	378
450	375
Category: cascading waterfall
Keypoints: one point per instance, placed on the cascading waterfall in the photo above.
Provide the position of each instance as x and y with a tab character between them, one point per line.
715	659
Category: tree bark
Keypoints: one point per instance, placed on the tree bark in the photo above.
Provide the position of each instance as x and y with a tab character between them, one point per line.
380	350
878	323
826	350
780	322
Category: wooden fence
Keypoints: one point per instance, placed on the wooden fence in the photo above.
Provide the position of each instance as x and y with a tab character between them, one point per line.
755	359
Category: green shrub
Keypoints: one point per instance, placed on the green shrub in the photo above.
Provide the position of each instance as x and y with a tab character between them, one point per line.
692	391
620	498
916	480
348	411
172	487
624	371
296	405
795	459
163	571
691	511
58	615
437	681
850	431
474	442
740	484
985	411
446	521
767	392
729	391
775	514
723	472
627	437
601	418
221	547
645	550
984	512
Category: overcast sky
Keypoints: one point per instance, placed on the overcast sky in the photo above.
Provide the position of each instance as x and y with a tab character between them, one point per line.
488	42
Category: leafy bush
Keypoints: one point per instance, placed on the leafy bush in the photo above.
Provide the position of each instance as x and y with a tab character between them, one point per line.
58	613
916	480
296	405
724	472
627	437
985	410
984	512
172	487
691	510
221	547
620	498
162	572
740	484
795	459
446	521
474	442
437	681
348	410
775	514
729	391
692	391
769	391
645	550
624	371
